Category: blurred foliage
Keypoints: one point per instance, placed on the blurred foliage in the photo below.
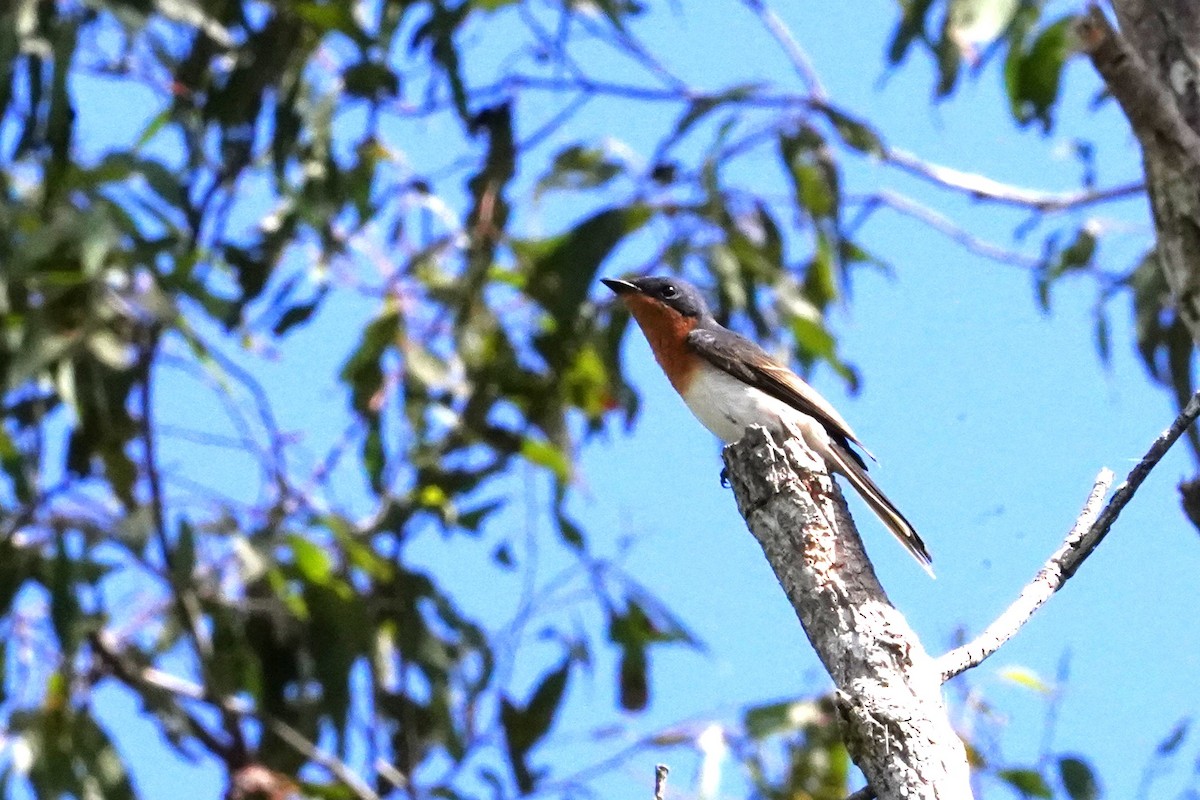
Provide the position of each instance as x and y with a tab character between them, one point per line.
273	177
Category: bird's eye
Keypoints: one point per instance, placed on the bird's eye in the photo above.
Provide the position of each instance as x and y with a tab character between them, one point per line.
669	291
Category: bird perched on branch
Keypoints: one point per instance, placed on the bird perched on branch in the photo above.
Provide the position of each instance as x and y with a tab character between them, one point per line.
730	383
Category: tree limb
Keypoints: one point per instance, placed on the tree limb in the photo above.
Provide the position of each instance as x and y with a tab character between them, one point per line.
901	204
887	687
795	53
1048	580
1145	100
142	679
1090	528
981	187
660	781
1150	67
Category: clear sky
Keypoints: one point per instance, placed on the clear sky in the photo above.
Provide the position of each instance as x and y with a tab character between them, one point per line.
990	421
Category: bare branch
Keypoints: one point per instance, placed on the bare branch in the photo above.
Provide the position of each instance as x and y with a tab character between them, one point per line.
660	781
645	93
1047	581
888	693
980	187
795	53
1088	531
141	678
886	198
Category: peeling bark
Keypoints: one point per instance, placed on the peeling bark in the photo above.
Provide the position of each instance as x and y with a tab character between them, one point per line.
888	688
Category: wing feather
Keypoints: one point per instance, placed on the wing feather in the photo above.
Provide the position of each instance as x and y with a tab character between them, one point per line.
746	361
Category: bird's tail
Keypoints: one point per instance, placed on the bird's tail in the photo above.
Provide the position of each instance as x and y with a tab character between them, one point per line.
845	464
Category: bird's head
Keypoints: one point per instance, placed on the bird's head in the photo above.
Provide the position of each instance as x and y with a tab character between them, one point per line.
659	296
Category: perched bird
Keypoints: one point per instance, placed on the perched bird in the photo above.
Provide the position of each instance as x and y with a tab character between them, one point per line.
730	383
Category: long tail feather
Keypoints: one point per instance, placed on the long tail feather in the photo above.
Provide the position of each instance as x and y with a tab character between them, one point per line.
901	528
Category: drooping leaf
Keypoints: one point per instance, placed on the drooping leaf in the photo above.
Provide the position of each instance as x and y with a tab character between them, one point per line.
1078	779
562	270
1028	782
1033	76
524	726
578	167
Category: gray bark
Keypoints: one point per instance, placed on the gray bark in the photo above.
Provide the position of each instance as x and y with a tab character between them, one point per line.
1152	68
888	689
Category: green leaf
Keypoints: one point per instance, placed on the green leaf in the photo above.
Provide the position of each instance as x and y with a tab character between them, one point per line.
438	32
775	718
371	81
814	173
65	612
183	556
701	107
525	726
339	634
12	461
314	564
578	167
298	314
545	454
1033	78
362	371
1103	336
633	679
562	270
1078	778
1029	782
333	17
910	29
103	771
856	133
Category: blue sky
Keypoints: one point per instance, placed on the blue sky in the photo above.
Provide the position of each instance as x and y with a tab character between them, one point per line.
989	418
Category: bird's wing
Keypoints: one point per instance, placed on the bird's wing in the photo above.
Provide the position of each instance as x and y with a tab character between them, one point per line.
746	361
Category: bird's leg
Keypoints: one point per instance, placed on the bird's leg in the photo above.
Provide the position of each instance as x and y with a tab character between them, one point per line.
724	478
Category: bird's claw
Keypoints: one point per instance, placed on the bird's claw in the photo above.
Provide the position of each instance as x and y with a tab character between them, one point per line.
724	478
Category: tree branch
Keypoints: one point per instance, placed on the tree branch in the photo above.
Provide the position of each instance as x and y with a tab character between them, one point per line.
885	198
660	781
1089	530
1048	580
981	187
140	679
1152	75
1147	103
795	53
887	687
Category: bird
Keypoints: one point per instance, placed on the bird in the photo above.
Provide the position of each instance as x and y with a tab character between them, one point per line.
730	383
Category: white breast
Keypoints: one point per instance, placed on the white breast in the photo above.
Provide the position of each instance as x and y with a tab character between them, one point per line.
727	406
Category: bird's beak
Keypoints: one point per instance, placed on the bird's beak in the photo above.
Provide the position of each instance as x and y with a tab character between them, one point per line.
619	286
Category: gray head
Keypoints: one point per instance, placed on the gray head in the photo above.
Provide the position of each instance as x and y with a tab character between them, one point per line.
672	292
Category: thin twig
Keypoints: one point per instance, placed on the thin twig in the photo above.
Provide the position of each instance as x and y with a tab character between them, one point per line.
885	198
795	53
980	187
644	93
1089	530
1047	581
140	678
187	608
